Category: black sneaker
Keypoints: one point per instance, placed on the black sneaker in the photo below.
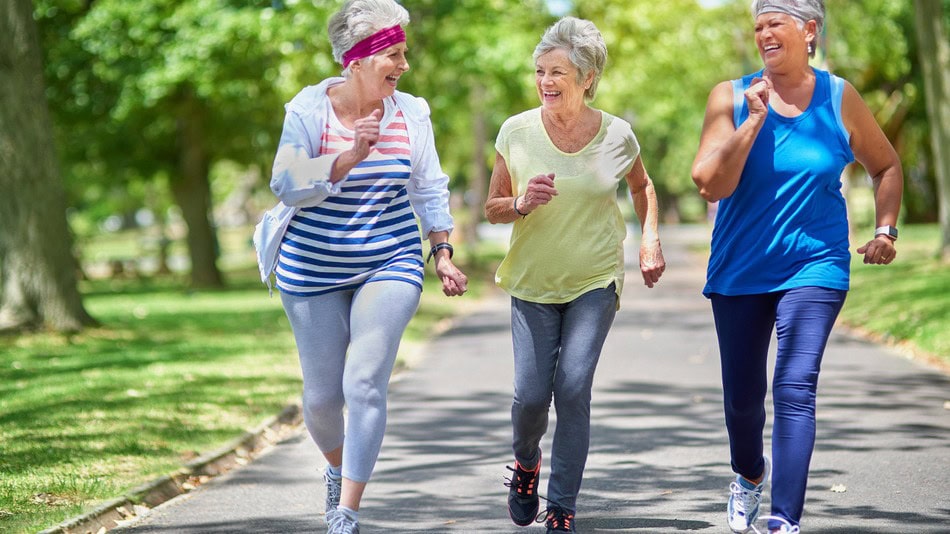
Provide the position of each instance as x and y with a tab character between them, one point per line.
523	494
558	519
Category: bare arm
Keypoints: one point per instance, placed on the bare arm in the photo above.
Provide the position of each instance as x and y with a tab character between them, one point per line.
875	153
652	263
723	148
454	281
500	205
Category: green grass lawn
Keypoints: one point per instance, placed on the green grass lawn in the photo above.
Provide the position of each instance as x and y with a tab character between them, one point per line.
169	375
907	301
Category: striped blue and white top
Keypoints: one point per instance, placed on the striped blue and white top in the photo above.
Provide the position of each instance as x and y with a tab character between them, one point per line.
368	231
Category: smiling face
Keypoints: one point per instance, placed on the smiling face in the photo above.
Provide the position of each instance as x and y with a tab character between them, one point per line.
780	39
556	81
380	74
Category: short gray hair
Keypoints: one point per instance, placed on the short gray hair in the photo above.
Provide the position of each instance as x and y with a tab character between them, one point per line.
585	48
803	10
358	19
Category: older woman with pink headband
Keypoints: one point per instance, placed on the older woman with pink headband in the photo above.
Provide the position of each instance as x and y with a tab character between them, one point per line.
355	166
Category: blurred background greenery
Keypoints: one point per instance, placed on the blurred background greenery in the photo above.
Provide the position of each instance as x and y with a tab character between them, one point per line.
139	89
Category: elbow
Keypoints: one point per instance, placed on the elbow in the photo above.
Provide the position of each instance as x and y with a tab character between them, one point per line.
704	190
708	195
491	212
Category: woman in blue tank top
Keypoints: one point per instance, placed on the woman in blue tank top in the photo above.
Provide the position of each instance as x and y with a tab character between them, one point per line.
773	147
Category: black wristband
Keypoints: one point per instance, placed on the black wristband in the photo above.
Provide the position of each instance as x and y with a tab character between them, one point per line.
515	206
439	246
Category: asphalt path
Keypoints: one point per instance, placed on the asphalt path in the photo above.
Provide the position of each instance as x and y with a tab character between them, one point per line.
659	455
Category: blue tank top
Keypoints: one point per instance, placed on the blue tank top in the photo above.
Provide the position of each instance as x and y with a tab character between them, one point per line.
786	224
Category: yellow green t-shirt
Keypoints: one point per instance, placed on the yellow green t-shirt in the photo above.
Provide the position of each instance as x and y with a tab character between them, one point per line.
573	244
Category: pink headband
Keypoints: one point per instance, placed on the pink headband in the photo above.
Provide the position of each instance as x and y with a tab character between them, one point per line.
374	43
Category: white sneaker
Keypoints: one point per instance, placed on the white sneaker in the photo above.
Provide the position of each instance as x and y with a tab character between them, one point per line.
784	528
343	521
334	488
743	507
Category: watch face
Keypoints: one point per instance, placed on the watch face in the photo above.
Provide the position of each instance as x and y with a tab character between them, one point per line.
887	230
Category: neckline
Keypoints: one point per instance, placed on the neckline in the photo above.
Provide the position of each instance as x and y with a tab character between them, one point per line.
811	102
581	150
389	112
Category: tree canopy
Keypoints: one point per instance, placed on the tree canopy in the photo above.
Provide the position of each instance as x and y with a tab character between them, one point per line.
150	98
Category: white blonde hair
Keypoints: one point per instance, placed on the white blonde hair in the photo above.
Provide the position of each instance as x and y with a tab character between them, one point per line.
585	48
358	19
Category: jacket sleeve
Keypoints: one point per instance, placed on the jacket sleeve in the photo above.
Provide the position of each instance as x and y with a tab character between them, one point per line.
299	178
429	185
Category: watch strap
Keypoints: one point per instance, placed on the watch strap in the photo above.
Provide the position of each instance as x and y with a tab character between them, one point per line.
886	230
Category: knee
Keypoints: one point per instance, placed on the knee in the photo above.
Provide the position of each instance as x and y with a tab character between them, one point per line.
320	405
364	392
573	393
531	406
743	410
794	397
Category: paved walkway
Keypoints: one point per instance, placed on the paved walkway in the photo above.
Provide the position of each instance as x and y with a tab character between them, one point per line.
659	456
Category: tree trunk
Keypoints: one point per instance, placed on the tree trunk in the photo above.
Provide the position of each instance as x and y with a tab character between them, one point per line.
935	60
192	192
36	261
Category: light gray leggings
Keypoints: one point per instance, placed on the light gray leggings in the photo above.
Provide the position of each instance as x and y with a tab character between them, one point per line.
347	341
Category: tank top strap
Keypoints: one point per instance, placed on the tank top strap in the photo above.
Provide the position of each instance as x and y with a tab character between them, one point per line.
739	108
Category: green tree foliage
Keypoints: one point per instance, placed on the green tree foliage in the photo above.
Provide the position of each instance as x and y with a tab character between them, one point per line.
128	81
663	59
871	43
163	89
471	60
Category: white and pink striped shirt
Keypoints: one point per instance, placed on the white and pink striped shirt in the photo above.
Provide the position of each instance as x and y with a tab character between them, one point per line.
367	231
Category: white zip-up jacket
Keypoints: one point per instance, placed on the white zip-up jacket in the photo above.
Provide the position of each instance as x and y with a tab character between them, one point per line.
301	176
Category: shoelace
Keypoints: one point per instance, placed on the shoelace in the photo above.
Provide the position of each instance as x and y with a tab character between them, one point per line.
523	481
334	489
556	518
786	528
746	499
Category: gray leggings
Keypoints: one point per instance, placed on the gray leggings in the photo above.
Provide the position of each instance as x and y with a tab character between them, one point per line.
556	348
347	341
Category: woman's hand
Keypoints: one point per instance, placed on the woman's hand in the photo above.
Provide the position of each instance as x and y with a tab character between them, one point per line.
539	192
454	281
652	263
878	251
757	97
365	135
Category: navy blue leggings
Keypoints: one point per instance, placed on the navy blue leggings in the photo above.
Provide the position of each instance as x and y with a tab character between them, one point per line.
803	318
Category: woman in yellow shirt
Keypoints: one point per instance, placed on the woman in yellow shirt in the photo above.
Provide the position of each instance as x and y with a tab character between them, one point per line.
557	171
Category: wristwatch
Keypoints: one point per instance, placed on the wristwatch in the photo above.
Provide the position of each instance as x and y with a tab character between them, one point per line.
887	230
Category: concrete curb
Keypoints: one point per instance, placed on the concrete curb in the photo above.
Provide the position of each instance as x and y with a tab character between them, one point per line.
140	500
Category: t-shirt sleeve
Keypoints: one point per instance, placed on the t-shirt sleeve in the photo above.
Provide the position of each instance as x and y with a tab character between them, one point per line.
503	141
632	144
